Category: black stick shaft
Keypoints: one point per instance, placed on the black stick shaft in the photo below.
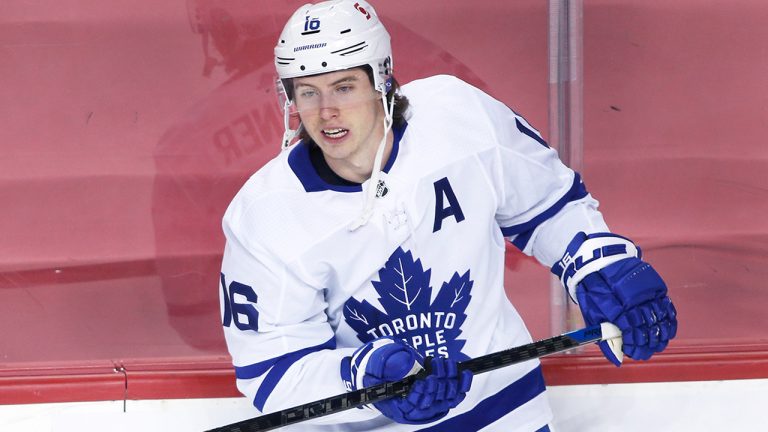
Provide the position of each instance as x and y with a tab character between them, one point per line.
380	392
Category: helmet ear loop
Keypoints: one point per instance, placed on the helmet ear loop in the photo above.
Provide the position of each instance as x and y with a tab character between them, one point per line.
289	133
287	104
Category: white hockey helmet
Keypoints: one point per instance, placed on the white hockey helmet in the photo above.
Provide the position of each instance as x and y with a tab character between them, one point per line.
335	35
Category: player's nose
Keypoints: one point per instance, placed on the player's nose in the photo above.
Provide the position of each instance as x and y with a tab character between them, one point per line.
329	112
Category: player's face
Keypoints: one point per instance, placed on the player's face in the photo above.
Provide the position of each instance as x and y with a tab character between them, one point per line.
343	114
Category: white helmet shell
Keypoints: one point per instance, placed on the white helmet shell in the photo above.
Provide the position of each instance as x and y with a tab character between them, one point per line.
334	35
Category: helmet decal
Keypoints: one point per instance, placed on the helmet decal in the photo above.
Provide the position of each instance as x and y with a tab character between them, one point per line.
311	26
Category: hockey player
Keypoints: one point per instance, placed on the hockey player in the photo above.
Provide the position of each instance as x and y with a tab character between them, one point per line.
214	146
378	239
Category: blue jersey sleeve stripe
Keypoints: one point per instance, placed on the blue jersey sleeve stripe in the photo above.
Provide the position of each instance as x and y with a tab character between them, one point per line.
522	239
279	369
576	192
497	406
258	369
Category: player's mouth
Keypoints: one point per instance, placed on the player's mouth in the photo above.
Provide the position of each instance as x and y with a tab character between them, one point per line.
335	133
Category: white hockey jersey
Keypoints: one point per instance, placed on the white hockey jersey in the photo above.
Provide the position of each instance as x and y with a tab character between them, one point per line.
300	290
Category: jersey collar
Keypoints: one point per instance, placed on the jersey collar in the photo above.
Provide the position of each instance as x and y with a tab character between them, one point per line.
302	167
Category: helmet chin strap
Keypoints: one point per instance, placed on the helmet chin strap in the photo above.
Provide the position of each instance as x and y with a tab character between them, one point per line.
373	184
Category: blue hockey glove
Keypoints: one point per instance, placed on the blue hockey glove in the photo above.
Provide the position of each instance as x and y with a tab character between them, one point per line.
390	359
606	277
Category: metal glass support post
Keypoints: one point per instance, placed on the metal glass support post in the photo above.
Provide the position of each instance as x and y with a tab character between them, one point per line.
565	121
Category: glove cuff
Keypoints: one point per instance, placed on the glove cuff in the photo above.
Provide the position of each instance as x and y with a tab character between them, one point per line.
589	253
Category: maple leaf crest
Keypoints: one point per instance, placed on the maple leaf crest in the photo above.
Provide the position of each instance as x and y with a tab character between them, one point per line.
432	327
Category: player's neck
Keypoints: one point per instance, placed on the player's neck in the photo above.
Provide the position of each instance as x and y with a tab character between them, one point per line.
359	167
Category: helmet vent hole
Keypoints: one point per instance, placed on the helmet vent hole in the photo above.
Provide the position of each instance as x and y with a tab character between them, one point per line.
345	31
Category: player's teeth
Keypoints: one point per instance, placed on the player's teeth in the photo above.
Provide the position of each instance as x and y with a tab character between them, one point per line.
335	132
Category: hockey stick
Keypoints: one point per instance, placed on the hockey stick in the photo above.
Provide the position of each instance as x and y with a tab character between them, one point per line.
334	404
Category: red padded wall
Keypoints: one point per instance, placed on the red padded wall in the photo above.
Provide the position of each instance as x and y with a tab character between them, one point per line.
120	155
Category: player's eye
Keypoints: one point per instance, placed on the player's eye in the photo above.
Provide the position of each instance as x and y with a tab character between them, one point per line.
307	94
344	89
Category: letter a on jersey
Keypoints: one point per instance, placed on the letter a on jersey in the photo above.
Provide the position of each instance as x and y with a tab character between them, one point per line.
443	189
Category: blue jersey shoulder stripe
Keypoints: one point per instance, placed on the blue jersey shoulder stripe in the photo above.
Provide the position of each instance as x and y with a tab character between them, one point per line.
497	406
522	128
525	230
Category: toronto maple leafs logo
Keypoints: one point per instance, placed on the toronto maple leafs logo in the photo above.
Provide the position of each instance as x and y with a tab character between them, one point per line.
432	327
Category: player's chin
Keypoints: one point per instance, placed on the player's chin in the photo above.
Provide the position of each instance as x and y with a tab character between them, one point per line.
334	152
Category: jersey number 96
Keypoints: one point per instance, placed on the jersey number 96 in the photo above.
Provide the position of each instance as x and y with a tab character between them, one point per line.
234	311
